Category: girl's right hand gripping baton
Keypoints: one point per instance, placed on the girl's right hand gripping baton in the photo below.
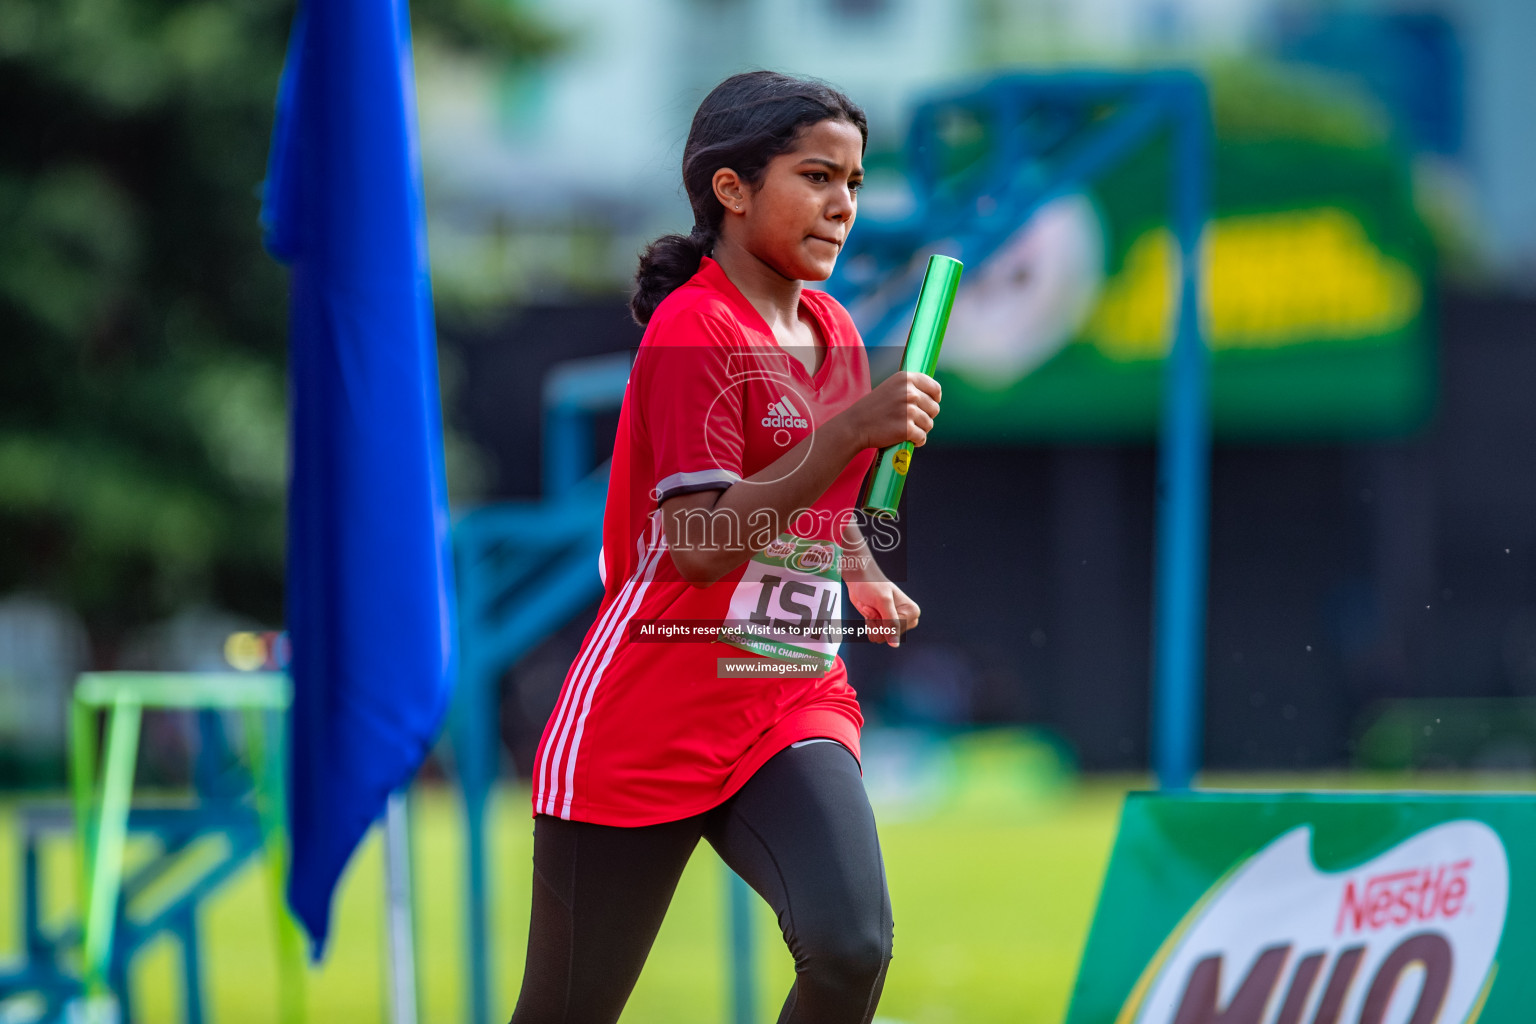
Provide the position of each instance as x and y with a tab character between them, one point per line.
888	474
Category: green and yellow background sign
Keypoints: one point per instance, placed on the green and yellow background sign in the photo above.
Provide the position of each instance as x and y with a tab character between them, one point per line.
1313	908
1316	276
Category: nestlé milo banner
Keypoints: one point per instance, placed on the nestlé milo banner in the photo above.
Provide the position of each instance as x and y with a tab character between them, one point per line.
1312	908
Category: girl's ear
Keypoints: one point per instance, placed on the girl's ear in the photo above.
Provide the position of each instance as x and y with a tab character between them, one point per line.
730	190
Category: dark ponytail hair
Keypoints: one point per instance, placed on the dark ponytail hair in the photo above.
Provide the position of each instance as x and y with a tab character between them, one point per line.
743	123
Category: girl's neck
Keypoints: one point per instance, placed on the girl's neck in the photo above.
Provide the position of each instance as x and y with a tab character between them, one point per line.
774	296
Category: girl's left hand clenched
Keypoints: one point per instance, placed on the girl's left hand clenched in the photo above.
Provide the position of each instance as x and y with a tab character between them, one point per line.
884	603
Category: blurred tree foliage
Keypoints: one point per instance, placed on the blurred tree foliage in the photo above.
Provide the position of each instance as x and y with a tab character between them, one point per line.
142	325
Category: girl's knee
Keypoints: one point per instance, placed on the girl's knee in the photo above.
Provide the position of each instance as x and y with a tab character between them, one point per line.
846	958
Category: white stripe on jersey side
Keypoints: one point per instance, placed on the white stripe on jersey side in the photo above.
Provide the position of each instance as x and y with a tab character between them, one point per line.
789	405
541	775
566	710
597	677
549	766
585	657
618	614
588	685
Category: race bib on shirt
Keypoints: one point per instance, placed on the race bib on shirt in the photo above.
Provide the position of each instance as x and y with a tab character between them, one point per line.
789	601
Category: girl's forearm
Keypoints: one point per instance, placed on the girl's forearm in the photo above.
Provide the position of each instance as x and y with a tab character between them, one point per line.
709	538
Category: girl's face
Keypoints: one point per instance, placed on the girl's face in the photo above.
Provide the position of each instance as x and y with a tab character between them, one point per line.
799	215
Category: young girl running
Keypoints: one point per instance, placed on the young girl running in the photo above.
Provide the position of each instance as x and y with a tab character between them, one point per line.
703	702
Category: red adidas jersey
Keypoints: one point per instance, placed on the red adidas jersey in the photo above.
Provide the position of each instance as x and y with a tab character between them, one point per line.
645	731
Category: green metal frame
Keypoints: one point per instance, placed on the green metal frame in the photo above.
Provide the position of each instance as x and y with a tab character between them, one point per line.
101	806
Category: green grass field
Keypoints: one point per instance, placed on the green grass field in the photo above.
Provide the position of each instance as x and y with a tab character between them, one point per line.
993	883
993	875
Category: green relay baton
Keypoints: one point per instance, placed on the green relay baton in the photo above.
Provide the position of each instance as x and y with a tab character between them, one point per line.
888	474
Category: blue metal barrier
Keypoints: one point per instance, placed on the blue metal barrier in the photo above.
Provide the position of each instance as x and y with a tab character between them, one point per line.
200	846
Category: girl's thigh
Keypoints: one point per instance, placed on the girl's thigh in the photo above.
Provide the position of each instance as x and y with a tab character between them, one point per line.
801	832
599	895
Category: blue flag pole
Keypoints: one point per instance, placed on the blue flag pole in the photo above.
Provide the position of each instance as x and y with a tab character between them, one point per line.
370	606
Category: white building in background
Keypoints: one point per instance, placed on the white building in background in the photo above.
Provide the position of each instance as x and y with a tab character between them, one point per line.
565	169
596	135
613	112
600	129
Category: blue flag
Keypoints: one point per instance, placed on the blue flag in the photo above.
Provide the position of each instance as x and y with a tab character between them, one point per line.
369	583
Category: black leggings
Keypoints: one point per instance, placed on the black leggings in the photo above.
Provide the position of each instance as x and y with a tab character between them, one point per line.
800	832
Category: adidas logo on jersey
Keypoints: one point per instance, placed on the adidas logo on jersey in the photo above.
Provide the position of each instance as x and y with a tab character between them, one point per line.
784	414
